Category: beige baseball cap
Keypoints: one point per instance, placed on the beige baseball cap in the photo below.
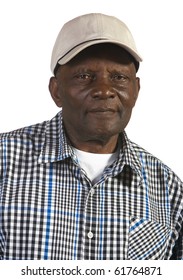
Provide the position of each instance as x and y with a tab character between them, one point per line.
87	30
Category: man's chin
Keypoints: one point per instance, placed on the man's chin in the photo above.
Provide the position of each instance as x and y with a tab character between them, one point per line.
104	133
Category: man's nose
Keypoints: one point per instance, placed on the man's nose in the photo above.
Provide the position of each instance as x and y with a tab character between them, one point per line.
103	91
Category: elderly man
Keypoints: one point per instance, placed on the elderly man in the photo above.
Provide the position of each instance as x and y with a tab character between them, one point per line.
76	187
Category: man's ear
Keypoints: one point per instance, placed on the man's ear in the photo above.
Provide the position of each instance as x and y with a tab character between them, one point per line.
54	91
137	88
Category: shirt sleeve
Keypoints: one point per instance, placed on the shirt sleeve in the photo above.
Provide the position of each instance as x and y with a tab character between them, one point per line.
3	159
177	253
1	167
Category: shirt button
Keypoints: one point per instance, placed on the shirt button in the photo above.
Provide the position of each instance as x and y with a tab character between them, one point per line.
92	192
90	234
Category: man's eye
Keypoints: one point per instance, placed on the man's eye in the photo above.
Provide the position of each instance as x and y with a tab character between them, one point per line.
84	76
119	77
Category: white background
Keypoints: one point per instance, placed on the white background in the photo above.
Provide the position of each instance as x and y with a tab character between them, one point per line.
28	29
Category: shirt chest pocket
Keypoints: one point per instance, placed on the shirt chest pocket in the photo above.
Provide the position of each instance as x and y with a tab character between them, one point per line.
148	240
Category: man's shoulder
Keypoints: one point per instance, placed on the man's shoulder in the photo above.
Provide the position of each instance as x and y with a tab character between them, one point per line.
142	152
19	144
31	131
31	137
151	164
146	157
35	130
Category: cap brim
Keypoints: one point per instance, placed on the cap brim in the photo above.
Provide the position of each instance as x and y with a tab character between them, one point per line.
72	53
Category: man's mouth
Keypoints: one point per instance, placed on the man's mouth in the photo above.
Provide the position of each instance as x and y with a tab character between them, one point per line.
102	110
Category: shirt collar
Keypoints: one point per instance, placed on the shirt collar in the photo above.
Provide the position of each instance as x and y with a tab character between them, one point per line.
129	155
55	146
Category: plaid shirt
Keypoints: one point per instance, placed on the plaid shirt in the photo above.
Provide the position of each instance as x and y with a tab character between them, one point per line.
50	210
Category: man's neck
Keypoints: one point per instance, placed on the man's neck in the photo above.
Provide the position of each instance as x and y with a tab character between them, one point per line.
96	146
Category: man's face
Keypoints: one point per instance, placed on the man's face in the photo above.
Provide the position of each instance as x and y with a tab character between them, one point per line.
97	91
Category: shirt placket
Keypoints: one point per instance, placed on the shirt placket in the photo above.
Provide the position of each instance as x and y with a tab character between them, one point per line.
89	230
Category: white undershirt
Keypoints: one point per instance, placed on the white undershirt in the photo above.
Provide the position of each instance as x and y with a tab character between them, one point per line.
94	164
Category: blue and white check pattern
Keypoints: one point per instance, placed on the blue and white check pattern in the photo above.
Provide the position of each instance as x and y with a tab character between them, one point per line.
50	210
